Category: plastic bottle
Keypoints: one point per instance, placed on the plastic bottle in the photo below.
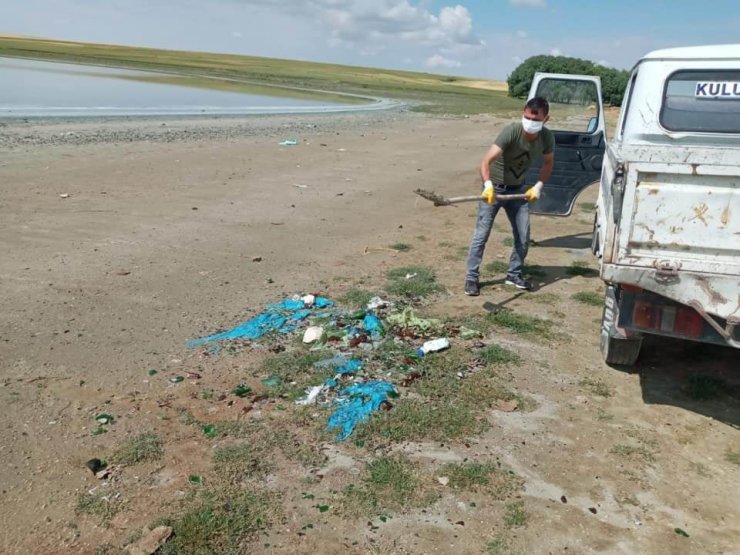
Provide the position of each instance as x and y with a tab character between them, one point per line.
433	346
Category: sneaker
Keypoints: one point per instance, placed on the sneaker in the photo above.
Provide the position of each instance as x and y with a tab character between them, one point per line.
471	288
519	282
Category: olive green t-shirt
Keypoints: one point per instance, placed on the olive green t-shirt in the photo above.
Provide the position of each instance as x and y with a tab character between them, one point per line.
519	154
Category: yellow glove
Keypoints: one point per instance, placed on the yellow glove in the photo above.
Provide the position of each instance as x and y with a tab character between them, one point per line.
533	193
488	195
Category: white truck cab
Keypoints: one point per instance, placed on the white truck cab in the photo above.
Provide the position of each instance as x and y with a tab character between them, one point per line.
667	223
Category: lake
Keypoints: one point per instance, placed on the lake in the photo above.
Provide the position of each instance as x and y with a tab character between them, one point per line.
30	88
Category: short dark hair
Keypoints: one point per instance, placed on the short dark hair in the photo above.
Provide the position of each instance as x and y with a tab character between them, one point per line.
538	103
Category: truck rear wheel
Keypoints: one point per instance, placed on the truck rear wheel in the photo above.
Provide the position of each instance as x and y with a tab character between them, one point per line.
616	347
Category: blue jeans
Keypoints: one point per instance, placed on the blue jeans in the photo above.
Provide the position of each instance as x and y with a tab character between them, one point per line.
518	213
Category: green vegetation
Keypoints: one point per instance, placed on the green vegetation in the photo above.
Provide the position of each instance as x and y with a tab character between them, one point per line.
589	298
145	447
391	483
221	522
633	451
521	323
733	457
238	463
597	387
487	478
428	92
493	354
516	515
401	247
412	282
613	81
356	298
103	505
295	366
579	268
587	207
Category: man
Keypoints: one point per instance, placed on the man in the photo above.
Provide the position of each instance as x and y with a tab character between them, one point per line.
502	171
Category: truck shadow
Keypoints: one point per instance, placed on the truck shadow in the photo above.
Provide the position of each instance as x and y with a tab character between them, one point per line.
698	377
573	241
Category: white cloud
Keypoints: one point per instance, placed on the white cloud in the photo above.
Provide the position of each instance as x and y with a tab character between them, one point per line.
529	3
438	61
556	52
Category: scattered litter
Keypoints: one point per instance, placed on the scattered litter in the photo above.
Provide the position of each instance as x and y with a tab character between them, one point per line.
341	150
195	479
444	480
104	418
152	371
433	346
64	195
592	509
681	532
312	334
563	499
95	465
407	320
467	333
288	142
372	324
356	403
350	367
409	276
210	431
242	390
272	381
257	259
176	379
337	360
308	300
311	395
376	303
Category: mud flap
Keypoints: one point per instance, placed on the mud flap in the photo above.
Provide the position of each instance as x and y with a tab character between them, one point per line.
617	347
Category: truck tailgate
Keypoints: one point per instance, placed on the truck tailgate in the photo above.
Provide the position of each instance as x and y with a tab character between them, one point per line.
681	219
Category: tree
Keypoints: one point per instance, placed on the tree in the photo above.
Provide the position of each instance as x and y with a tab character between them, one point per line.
613	81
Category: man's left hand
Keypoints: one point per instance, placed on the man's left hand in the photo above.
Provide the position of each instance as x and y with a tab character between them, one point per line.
533	193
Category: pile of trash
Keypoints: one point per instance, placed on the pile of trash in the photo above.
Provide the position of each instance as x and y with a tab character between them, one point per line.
325	326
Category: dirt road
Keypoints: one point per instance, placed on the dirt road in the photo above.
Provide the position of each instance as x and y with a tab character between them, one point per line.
116	252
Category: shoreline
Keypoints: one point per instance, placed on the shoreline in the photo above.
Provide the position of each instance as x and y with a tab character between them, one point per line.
52	131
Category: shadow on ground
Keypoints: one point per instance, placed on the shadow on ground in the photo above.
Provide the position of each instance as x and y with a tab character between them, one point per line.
697	377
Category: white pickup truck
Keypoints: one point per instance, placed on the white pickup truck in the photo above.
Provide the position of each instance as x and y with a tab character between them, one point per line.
667	222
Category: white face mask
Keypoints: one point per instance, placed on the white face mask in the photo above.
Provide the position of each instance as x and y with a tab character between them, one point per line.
532	127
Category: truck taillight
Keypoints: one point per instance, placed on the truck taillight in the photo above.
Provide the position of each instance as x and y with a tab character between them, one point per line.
680	320
688	322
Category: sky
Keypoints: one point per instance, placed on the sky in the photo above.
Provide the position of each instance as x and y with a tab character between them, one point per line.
474	38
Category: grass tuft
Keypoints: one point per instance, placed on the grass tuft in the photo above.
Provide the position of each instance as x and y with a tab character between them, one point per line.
580	268
516	515
104	505
238	463
495	355
521	323
356	298
589	298
401	247
482	477
145	447
597	387
412	281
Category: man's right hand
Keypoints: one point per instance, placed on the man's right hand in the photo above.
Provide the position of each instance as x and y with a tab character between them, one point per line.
488	195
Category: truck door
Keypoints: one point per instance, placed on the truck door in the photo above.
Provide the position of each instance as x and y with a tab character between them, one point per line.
577	122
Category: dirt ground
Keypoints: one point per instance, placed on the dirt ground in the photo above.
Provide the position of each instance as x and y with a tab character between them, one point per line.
157	243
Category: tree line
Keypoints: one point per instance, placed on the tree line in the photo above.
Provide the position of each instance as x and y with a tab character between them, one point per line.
613	81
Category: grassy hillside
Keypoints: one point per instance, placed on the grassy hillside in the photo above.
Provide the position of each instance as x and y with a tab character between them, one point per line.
432	93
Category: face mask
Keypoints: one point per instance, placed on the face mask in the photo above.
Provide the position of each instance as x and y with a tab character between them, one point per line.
531	127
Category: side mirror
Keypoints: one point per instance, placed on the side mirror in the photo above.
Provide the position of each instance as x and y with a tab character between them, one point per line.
592	123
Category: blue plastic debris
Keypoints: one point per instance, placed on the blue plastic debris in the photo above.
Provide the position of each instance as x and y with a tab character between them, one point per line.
321	302
338	360
350	367
372	324
283	317
251	329
361	400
